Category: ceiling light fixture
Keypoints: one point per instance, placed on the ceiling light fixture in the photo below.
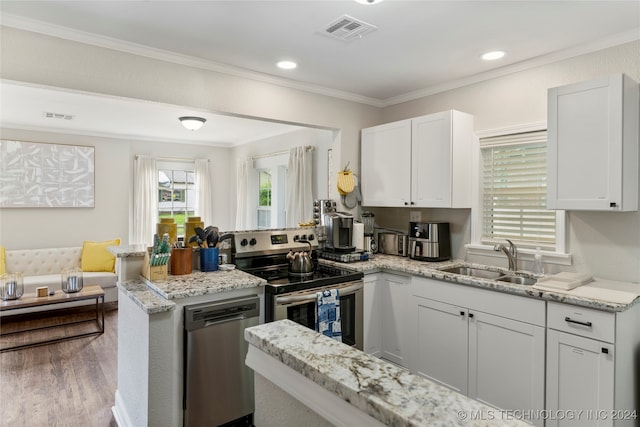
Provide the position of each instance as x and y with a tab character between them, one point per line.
287	65
192	123
368	1
493	55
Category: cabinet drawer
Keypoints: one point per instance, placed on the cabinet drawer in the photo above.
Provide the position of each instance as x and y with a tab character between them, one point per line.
582	321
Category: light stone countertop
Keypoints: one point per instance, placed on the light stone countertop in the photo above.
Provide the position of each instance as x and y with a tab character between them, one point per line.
396	264
128	251
156	297
382	390
149	301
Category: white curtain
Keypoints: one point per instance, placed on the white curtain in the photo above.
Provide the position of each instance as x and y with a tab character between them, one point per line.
204	199
145	200
299	197
242	194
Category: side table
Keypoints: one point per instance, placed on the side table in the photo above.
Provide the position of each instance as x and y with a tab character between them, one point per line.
30	300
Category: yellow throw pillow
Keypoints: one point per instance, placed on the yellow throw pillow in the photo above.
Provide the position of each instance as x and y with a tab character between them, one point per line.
96	257
3	260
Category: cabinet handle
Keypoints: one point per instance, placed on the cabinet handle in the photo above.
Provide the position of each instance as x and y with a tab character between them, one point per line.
406	204
461	313
470	315
605	350
613	204
570	320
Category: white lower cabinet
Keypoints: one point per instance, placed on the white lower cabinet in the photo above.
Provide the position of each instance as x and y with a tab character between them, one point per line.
579	378
396	291
497	358
385	316
372	315
592	366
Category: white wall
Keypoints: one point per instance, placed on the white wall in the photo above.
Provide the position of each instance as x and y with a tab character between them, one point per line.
61	227
321	139
50	61
605	244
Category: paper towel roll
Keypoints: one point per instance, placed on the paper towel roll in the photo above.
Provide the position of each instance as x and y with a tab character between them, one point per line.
358	236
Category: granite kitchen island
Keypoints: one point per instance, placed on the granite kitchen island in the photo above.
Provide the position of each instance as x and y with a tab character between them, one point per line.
150	336
329	383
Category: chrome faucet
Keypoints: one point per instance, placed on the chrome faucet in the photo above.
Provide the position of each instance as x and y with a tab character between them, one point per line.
512	254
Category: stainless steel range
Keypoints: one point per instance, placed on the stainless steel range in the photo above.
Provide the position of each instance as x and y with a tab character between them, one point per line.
293	295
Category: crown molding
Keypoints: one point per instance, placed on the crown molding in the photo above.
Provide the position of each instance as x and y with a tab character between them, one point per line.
615	40
176	58
168	56
112	136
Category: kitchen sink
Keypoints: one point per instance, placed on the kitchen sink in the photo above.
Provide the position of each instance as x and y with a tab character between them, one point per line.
492	275
520	280
473	272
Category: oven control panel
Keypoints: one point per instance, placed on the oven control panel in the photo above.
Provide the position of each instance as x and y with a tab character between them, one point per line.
249	243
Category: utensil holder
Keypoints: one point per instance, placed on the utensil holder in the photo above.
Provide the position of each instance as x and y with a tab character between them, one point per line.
11	286
71	280
181	261
209	259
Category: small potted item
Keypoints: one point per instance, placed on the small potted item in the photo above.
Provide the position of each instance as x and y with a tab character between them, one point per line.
11	286
71	280
207	240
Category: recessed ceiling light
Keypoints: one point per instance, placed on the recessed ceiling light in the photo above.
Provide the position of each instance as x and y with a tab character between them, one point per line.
491	56
368	1
287	65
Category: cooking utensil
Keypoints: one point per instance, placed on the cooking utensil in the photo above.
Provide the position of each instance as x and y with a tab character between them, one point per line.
301	262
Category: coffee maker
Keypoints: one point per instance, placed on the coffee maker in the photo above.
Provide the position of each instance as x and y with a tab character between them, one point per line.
429	241
339	231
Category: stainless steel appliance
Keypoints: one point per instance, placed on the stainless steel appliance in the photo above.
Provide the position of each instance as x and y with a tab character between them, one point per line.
429	241
393	243
339	230
218	386
293	296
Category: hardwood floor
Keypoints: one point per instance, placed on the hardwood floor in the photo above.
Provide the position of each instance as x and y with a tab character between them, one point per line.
70	383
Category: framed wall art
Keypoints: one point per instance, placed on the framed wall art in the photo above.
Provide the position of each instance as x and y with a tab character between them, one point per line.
42	175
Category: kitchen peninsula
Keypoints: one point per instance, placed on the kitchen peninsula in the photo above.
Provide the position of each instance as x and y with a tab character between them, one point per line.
150	335
349	387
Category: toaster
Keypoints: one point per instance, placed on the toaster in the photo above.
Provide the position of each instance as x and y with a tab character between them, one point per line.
393	243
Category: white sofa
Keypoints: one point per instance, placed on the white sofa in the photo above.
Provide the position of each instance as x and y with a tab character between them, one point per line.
43	267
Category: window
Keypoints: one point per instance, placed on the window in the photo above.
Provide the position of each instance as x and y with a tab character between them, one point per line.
270	199
513	192
176	193
264	198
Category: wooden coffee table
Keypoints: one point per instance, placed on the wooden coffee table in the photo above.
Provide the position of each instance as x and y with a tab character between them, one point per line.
89	292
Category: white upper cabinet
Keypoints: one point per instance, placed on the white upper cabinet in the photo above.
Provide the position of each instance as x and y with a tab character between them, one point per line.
420	162
593	156
385	156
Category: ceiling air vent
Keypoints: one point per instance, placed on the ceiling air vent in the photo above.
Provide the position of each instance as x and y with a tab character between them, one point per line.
49	115
347	28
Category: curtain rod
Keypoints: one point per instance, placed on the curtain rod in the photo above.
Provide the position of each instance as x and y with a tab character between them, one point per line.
279	153
171	159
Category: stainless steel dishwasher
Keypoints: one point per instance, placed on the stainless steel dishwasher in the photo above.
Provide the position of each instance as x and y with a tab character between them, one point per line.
218	386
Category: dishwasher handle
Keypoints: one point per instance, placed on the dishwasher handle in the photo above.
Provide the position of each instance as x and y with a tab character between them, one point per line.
199	316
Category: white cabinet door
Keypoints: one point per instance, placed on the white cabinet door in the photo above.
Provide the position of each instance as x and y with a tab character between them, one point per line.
592	159
423	162
580	376
506	363
431	160
442	343
442	146
385	164
395	321
372	315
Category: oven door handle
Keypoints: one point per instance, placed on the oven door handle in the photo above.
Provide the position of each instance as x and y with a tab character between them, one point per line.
311	297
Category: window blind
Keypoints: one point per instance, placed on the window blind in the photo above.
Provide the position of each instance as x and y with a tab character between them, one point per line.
514	190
